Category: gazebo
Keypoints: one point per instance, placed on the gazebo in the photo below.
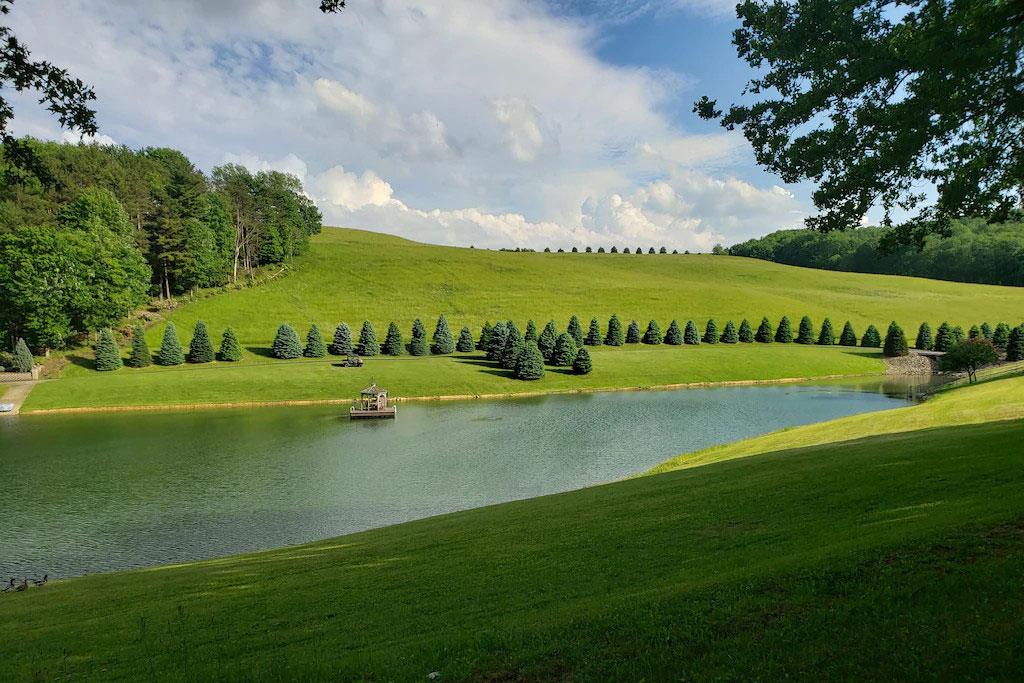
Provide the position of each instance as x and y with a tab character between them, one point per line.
372	402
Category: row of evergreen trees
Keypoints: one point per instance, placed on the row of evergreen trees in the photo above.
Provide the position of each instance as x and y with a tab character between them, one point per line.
946	336
200	349
600	250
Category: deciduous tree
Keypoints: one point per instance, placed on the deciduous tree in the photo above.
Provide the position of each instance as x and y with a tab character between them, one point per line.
970	355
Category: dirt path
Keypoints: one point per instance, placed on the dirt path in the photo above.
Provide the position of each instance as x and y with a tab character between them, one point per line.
16	393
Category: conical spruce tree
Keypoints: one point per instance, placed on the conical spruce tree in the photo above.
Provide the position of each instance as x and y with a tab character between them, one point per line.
691	335
200	349
444	342
957	333
513	347
23	360
974	332
784	333
986	331
848	337
418	341
746	333
764	335
315	347
1015	344
615	336
368	345
729	335
653	333
711	335
531	332
943	337
895	342
140	356
575	330
530	364
805	335
230	349
827	336
593	334
465	343
496	341
582	365
633	333
546	340
1001	336
287	345
342	344
871	338
484	333
170	352
108	356
393	345
565	350
674	335
924	338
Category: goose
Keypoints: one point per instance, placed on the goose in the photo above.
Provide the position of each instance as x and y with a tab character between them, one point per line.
9	587
22	586
40	582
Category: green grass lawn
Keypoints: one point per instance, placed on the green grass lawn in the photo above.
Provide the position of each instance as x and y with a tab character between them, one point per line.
628	366
892	556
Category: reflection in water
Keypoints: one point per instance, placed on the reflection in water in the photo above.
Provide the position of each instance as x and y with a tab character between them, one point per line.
106	491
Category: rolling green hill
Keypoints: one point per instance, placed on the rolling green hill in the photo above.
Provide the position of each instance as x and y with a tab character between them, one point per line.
883	555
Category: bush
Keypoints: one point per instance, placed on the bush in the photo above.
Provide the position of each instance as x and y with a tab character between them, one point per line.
418	341
746	333
711	335
170	352
444	342
691	336
674	336
943	337
342	344
530	365
496	341
230	349
546	340
484	333
465	343
633	333
871	338
764	335
729	335
784	333
287	345
513	345
848	337
986	331
827	336
805	335
575	330
582	365
531	332
200	349
1001	336
895	342
565	350
140	356
593	334
1015	344
653	333
924	340
393	345
615	336
969	356
368	345
108	356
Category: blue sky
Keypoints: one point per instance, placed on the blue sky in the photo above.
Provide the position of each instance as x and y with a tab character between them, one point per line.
508	123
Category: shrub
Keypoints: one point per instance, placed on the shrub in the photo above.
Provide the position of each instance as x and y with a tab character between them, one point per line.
496	341
108	356
140	356
986	331
764	335
691	336
393	345
943	337
871	338
729	335
465	343
418	340
565	350
924	338
444	342
895	342
746	333
287	345
575	330
1015	344
368	345
1001	336
593	334
200	349
784	333
827	336
530	365
315	347
615	336
513	345
531	332
674	335
969	356
230	349
805	335
633	333
848	337
711	335
546	340
484	333
342	344
170	352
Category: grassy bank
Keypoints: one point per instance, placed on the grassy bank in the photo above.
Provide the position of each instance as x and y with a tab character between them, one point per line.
461	374
885	556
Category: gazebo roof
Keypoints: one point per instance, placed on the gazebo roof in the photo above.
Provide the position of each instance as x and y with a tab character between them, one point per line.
373	390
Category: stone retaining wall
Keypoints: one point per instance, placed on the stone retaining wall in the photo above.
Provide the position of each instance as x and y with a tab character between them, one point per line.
7	377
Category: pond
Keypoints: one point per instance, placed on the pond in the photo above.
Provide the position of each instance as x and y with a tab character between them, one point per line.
85	493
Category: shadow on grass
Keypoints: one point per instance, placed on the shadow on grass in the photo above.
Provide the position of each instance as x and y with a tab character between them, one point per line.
81	361
861	352
263	351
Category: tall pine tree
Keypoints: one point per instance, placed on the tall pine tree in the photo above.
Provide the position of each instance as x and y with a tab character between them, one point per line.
848	337
230	349
691	335
711	335
496	341
986	331
746	333
653	333
418	341
287	345
582	365
615	335
594	334
393	345
465	343
530	363
784	333
1015	344
23	360
764	335
444	342
575	330
140	356
827	336
546	340
108	356
924	338
485	331
170	352
342	343
315	347
1001	336
200	349
531	332
513	346
633	332
805	335
729	335
674	335
895	342
943	337
871	338
565	350
368	344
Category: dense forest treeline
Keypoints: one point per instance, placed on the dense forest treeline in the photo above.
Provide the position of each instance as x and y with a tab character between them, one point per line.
977	251
115	226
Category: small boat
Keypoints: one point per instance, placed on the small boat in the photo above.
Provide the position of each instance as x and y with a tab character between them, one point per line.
372	402
6	407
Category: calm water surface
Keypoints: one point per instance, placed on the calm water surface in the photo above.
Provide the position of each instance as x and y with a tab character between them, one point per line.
107	491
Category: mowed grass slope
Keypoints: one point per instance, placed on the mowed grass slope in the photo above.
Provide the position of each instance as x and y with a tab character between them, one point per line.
885	557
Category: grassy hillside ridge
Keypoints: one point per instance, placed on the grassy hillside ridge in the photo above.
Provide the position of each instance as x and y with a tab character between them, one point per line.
824	561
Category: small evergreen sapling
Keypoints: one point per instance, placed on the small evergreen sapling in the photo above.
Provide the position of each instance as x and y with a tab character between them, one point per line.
444	342
746	333
393	345
1015	344
827	336
805	335
784	333
484	333
342	343
848	337
729	335
315	347
546	340
691	336
615	336
418	341
23	360
871	338
575	330
170	352
368	345
711	335
895	342
140	356
531	332
287	345
582	365
465	343
765	334
633	333
200	349
108	356
230	349
565	350
496	341
1001	336
943	337
530	364
593	334
674	335
924	338
653	333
